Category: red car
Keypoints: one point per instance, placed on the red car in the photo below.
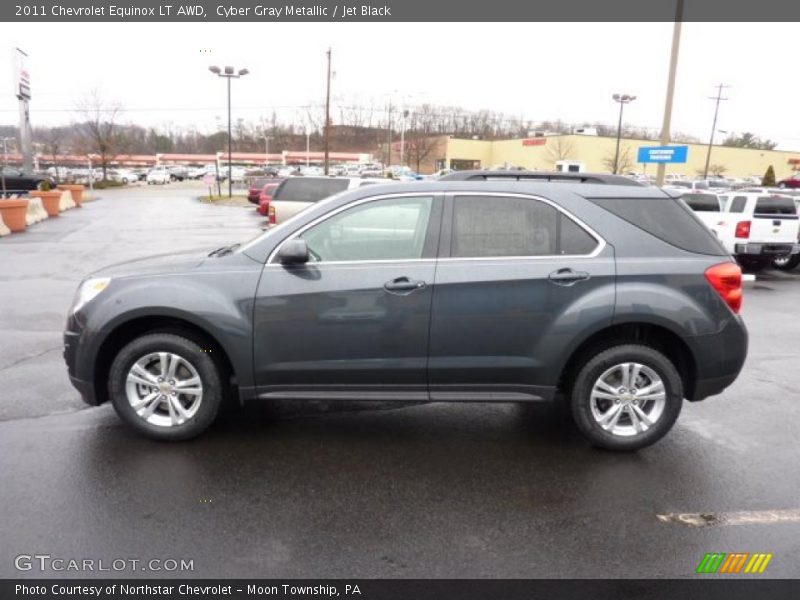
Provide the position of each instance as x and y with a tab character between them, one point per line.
254	191
790	182
265	196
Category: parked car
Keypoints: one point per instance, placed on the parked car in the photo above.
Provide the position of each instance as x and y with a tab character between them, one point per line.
158	175
265	197
757	228
178	172
125	176
255	186
475	290
17	181
677	185
196	172
790	182
295	194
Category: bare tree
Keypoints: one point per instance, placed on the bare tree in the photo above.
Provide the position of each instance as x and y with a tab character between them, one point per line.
558	148
100	131
625	162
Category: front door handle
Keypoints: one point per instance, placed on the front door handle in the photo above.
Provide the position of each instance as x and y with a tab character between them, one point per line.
567	276
403	285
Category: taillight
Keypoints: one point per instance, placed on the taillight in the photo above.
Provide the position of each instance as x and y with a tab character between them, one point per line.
272	215
726	279
743	229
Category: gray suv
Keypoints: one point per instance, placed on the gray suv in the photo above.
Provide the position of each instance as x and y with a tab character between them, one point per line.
612	298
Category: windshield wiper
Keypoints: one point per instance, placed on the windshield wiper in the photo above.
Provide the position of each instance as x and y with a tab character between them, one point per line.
224	250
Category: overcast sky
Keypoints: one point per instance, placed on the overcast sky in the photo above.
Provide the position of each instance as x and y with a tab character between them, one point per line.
159	72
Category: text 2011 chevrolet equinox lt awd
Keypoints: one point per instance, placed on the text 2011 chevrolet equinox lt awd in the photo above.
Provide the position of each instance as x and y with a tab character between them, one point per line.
469	289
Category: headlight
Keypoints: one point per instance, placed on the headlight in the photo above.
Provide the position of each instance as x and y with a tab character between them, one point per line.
88	290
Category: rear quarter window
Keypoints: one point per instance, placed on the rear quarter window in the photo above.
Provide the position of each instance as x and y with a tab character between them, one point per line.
668	219
309	189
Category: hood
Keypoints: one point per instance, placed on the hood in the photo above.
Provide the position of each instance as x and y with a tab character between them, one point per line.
156	265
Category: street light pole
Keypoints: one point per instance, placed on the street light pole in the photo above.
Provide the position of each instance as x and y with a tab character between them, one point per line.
622	99
228	73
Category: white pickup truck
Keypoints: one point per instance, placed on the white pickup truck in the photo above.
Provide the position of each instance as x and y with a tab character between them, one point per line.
756	228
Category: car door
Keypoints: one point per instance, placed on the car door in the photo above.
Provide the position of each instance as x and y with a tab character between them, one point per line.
517	282
355	319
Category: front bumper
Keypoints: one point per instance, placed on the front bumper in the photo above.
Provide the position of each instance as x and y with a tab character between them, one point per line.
85	388
756	249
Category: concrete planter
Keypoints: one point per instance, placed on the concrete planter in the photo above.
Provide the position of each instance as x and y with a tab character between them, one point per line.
75	189
15	213
51	201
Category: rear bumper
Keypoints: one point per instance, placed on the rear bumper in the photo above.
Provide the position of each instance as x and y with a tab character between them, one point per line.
719	358
756	249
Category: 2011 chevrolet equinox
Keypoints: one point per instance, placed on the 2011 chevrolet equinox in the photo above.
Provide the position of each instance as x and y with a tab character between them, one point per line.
470	290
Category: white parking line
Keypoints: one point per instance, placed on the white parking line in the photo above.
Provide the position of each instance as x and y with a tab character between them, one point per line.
743	517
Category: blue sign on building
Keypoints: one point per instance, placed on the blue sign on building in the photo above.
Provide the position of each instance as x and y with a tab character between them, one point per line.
663	154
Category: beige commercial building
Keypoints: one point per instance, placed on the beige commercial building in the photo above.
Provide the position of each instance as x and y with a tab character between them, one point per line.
596	154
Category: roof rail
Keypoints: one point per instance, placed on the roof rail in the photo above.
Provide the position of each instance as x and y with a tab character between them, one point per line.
553	176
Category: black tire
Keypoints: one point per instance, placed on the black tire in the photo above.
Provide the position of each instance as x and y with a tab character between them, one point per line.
788	264
203	363
594	366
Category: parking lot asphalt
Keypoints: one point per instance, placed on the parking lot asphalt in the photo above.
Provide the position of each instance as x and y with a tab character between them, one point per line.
356	490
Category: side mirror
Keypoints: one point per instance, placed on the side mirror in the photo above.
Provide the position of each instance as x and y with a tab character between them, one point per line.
293	252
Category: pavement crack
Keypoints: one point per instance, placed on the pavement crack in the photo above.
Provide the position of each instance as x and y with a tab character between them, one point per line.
29	357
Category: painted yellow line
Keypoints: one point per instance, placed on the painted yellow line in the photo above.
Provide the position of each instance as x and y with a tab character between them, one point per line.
744	517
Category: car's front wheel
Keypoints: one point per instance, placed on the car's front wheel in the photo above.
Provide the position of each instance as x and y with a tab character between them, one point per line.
626	397
166	386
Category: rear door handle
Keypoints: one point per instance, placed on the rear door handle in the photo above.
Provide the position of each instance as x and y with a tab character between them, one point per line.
567	276
403	285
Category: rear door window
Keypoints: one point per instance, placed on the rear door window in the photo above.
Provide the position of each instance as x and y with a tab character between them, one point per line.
738	204
309	189
493	226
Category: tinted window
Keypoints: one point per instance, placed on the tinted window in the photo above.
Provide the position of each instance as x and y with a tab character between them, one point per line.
775	205
391	229
667	219
682	184
702	202
701	185
309	189
503	226
738	204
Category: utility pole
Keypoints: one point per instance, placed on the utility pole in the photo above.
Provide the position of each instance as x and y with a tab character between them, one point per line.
673	67
327	115
718	98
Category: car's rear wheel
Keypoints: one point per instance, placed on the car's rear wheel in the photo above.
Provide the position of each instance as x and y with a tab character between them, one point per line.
165	386
627	397
786	263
